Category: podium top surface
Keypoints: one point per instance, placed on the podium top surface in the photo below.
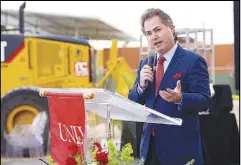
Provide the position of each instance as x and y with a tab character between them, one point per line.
121	108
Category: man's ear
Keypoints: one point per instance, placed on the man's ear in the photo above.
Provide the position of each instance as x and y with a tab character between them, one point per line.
172	27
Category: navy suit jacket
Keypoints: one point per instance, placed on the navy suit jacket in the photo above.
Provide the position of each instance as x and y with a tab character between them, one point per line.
176	145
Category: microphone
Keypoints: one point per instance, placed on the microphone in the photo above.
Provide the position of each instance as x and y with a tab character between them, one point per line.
151	57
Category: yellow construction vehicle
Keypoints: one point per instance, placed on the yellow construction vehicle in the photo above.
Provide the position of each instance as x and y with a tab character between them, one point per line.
31	62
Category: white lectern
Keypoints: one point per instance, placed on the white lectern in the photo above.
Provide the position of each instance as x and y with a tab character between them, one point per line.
114	106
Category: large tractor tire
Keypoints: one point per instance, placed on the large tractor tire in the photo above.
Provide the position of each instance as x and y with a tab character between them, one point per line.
20	106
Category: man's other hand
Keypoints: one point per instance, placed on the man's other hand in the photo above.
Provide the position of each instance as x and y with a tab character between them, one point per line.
172	95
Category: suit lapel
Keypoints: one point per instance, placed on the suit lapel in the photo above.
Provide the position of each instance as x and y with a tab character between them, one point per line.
173	66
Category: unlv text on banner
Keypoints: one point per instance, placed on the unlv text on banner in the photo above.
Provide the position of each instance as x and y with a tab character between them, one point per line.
70	133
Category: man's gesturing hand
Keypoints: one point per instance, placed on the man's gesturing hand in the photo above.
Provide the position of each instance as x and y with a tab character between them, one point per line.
172	95
146	74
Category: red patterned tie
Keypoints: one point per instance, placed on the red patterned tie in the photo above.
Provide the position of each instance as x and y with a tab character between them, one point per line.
159	74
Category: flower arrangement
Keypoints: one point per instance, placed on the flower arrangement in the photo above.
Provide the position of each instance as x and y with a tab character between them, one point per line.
76	155
99	156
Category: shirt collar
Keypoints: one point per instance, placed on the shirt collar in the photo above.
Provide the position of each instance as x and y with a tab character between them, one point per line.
169	54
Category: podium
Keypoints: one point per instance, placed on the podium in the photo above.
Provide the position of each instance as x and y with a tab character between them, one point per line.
111	105
67	103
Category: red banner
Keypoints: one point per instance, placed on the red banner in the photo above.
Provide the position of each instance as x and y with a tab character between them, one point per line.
67	125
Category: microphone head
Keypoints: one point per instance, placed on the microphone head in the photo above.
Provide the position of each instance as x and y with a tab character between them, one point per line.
151	53
151	56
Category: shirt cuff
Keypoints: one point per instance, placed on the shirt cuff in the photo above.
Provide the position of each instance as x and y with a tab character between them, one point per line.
179	107
140	89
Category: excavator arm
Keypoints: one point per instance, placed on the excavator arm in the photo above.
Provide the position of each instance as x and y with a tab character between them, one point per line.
122	75
119	71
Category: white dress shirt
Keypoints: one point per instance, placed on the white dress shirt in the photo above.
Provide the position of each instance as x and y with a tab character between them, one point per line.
168	56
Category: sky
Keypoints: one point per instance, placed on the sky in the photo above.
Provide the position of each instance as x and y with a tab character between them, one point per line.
125	15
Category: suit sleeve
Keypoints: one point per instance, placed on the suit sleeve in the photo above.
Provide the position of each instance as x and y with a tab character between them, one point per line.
134	95
199	96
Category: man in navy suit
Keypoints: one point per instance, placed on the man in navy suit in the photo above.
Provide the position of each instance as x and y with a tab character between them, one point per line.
179	88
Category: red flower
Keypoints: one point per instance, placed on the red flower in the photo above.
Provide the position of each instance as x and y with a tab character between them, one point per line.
102	157
177	75
98	146
70	161
73	149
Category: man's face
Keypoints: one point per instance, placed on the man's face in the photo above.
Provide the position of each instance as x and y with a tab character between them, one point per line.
159	35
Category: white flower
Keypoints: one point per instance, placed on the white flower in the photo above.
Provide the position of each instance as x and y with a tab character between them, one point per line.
142	161
191	162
